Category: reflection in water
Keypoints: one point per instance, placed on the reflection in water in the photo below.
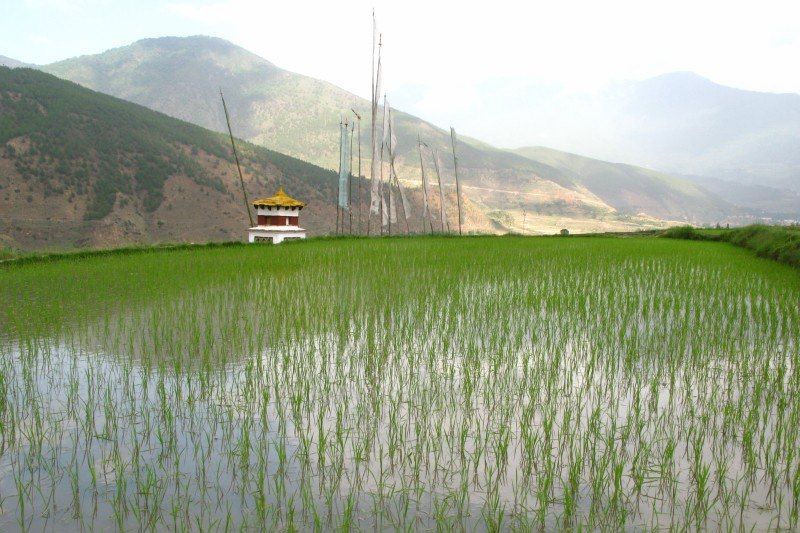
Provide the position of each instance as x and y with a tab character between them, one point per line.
507	400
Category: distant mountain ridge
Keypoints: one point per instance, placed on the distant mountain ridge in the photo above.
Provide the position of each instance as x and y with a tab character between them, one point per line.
761	200
690	124
680	123
12	63
299	116
638	188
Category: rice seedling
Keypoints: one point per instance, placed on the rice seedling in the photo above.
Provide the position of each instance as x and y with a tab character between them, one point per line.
416	383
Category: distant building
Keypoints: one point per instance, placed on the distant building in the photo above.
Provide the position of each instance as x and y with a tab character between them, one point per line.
278	219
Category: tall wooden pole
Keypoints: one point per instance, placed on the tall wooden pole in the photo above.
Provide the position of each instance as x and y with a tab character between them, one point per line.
458	183
338	181
350	180
236	157
387	123
402	202
426	206
374	110
393	180
360	177
383	203
443	211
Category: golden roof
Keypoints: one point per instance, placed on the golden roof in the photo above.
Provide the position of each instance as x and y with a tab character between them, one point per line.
280	199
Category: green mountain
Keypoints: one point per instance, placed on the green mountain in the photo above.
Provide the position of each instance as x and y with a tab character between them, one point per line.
299	116
79	168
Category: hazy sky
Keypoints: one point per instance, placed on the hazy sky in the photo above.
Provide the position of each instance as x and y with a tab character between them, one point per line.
439	55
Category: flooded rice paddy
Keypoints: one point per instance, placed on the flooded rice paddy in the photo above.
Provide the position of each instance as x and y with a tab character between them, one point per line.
467	384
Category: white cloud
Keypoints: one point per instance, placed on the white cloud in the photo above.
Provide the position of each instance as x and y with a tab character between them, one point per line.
444	58
64	6
581	44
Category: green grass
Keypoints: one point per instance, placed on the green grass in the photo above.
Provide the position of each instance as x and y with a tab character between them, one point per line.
15	259
7	253
414	383
781	243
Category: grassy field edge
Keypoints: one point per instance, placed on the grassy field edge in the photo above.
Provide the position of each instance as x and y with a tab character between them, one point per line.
779	243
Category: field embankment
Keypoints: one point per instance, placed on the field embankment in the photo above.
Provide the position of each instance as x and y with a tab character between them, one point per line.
781	243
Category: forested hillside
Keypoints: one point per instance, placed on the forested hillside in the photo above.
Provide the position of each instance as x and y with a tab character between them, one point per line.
82	168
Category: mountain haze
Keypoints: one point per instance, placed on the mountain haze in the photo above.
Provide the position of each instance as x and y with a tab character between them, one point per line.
680	123
685	123
762	200
635	187
11	63
299	116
